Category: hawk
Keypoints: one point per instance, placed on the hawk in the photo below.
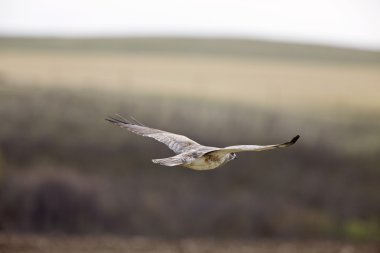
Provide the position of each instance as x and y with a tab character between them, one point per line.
189	153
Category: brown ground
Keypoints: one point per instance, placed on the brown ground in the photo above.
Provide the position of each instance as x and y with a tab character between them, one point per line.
95	244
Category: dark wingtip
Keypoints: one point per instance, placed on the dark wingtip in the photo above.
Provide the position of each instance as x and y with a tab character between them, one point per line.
294	140
118	119
110	119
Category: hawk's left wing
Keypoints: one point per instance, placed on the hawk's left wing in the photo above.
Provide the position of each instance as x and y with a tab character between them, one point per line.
177	143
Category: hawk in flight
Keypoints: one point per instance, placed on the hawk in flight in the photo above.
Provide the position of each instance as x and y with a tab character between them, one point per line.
189	153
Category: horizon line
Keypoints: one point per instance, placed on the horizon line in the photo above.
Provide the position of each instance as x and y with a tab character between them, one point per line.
270	39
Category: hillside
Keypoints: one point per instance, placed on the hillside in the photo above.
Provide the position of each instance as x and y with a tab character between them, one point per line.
212	46
56	145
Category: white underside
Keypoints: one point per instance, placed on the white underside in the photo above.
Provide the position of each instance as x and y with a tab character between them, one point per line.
203	163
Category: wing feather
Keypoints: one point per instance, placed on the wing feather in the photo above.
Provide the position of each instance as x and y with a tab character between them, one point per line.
242	148
177	143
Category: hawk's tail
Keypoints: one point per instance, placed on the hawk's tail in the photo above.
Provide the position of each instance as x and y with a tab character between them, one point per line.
170	161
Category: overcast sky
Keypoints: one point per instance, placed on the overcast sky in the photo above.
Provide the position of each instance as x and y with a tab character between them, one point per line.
352	23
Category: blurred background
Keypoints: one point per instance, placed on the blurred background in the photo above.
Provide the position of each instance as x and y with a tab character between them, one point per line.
220	72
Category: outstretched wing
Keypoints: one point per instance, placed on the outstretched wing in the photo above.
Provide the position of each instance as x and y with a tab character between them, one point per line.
242	148
177	143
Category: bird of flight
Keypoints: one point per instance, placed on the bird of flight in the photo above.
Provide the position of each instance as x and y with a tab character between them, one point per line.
189	153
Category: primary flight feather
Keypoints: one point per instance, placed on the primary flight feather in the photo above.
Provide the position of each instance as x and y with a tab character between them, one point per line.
189	153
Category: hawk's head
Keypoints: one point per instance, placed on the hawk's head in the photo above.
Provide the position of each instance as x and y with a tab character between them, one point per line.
232	156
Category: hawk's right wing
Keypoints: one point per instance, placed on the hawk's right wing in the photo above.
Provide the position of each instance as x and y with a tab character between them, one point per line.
177	143
242	148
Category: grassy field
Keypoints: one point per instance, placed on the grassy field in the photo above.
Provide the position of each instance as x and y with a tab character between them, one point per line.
285	84
81	244
55	144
